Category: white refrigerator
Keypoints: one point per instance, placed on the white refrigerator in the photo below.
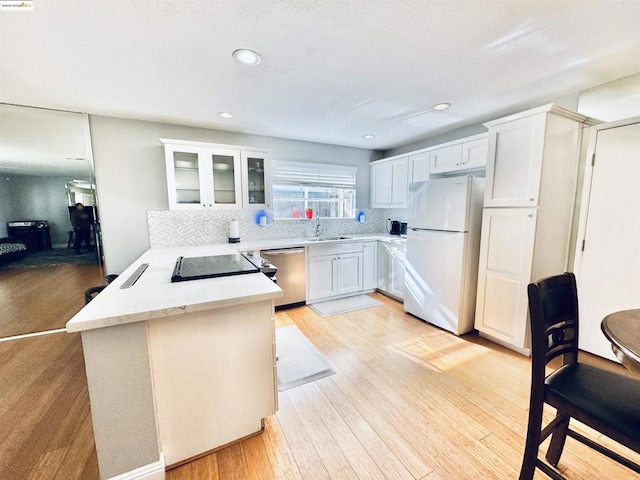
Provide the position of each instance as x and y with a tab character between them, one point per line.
443	243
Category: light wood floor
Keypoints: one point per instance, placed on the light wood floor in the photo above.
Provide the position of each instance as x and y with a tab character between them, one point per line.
408	401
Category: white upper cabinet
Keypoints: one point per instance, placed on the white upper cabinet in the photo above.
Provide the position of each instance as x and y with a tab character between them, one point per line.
474	154
419	167
256	175
202	176
466	154
515	166
531	156
390	178
390	183
446	159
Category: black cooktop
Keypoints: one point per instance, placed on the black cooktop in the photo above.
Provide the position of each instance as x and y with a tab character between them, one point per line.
196	268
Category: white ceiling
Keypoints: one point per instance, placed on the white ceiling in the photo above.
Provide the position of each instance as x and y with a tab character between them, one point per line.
331	70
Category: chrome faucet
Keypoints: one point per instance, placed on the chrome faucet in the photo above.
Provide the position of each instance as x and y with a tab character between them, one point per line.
318	229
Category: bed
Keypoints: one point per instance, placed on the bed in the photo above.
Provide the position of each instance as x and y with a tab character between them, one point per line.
11	249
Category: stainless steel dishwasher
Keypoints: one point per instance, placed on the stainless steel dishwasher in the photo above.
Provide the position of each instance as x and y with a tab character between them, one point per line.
291	276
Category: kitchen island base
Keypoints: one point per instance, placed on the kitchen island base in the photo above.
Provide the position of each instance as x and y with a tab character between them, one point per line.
171	389
213	375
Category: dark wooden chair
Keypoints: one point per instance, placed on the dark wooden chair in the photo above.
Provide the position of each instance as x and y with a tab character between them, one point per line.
605	401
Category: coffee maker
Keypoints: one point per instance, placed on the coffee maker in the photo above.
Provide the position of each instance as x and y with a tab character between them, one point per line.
393	227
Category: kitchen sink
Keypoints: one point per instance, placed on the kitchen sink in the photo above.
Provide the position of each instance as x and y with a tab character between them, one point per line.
327	239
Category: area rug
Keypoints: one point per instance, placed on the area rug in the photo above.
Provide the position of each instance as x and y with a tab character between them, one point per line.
56	256
344	305
299	362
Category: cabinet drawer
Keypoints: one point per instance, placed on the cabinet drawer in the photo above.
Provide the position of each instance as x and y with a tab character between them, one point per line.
334	248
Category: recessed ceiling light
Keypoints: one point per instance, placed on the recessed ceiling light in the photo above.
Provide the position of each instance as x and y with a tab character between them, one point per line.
247	57
225	115
368	136
441	106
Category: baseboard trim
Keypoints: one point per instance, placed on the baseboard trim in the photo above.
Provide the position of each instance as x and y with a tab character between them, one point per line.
151	471
30	335
522	351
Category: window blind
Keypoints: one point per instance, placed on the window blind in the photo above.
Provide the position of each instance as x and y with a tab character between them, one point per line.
319	174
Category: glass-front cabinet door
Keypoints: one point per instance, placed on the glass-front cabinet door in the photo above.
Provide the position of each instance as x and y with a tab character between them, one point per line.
187	176
225	174
256	186
205	175
184	177
200	177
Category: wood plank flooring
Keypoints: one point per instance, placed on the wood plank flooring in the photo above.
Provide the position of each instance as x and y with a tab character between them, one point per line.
35	299
408	401
45	419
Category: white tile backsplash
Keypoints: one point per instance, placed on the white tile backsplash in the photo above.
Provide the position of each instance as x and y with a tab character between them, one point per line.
173	228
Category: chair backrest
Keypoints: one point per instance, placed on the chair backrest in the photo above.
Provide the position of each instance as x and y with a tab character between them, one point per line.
553	313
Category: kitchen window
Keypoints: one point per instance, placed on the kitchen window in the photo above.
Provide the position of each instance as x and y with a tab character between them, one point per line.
328	190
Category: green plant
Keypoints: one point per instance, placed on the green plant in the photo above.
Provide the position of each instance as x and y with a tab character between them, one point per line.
309	209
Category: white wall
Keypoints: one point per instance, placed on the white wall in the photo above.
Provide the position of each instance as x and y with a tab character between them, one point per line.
130	174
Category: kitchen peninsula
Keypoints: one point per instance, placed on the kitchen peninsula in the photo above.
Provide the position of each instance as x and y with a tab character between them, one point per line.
177	369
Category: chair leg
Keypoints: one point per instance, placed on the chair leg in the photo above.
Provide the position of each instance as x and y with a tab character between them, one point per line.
558	438
532	444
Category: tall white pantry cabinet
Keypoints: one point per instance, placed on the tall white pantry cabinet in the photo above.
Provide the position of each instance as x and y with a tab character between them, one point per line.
530	190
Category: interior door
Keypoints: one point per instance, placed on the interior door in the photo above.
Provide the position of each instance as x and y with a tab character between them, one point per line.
608	269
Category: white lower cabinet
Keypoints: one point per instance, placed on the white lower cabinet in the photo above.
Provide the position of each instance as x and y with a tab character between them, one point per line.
390	271
396	287
369	265
334	270
322	277
505	270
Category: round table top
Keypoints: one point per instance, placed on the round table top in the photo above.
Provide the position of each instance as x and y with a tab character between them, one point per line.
623	331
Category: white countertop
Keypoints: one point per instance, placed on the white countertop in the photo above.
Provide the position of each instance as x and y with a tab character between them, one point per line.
304	242
154	295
